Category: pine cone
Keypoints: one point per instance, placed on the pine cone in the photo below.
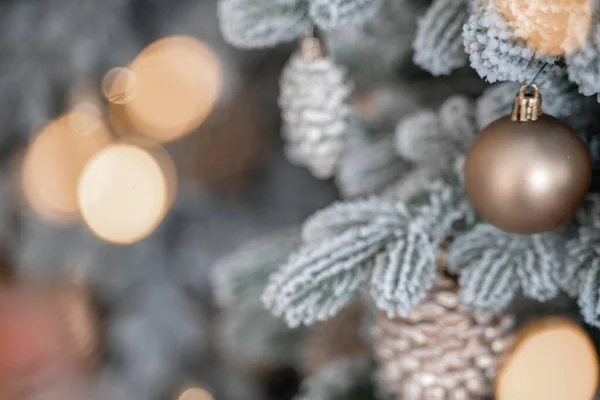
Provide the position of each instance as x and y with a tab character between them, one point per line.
336	339
313	102
440	350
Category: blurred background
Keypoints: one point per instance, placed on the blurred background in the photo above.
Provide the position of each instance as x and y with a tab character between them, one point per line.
137	148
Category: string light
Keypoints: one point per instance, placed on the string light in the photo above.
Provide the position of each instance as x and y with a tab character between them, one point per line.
178	81
54	161
124	192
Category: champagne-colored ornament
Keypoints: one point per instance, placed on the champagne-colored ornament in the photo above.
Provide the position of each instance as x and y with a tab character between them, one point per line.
335	339
441	350
79	320
527	173
553	359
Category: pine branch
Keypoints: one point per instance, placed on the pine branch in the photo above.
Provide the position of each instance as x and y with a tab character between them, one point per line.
346	379
589	299
385	41
438	44
345	241
241	276
368	165
584	63
437	139
494	265
249	333
332	14
495	51
495	102
262	23
583	249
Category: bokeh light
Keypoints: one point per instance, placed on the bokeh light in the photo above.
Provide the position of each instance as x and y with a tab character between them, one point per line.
54	161
195	394
554	359
554	27
178	83
120	85
124	192
32	347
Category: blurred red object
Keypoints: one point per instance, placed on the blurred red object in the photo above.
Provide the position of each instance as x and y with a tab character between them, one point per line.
33	351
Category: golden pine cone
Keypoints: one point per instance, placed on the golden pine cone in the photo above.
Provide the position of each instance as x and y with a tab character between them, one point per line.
337	338
80	321
441	351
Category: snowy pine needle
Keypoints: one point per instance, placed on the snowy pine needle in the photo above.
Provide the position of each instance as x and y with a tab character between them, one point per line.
241	276
345	379
392	245
439	45
494	266
331	14
495	51
262	23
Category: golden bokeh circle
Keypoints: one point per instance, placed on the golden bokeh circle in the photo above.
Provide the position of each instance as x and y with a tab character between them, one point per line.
179	80
124	193
120	85
55	159
195	394
554	27
553	359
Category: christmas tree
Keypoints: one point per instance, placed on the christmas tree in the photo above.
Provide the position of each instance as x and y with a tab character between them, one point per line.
160	244
445	125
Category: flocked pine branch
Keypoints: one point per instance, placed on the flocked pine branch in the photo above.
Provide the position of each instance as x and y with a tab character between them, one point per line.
248	332
584	63
331	14
438	43
580	275
241	276
262	23
345	379
589	299
368	165
385	41
437	139
345	242
494	266
495	51
251	335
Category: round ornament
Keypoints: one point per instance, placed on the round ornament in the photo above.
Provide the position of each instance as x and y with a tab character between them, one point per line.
553	359
527	173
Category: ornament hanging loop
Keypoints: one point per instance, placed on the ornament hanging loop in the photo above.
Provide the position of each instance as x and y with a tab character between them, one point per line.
311	47
528	104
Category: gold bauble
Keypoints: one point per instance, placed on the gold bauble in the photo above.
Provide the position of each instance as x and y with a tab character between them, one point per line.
527	174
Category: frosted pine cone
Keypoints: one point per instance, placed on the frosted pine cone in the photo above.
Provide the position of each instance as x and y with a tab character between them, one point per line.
441	351
314	109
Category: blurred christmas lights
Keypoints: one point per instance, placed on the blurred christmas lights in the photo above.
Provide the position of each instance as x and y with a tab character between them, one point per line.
124	192
120	85
168	90
195	394
55	159
554	27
